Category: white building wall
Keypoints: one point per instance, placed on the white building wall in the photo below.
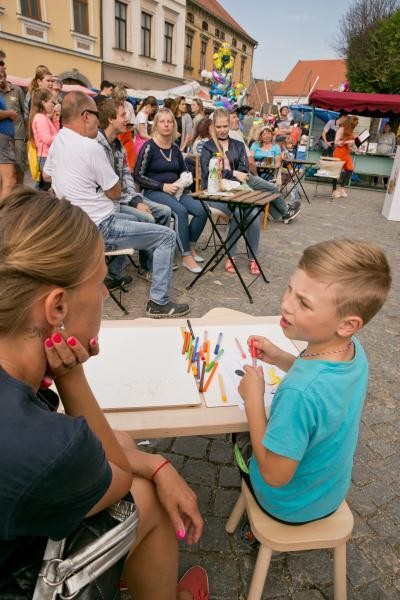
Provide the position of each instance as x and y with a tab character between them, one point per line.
173	11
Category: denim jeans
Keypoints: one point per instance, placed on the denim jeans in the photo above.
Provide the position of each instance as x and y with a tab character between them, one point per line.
252	233
186	233
160	213
278	207
123	231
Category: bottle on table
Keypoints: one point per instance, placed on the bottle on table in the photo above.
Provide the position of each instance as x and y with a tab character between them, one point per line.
213	184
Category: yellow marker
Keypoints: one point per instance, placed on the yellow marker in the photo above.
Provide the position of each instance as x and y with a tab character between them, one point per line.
194	370
222	389
273	377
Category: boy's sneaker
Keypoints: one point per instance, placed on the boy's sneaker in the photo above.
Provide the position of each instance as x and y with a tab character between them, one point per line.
115	283
291	213
166	311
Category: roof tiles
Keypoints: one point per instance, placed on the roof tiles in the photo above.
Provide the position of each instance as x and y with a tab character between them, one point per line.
303	75
214	7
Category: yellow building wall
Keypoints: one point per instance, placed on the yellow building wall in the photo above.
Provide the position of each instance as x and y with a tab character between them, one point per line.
58	52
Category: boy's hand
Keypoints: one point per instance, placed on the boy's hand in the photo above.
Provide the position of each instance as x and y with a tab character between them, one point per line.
252	384
266	350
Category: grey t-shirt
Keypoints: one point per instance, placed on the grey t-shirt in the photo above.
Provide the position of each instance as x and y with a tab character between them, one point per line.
14	98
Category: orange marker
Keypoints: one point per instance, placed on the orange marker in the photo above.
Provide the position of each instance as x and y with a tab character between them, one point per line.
215	367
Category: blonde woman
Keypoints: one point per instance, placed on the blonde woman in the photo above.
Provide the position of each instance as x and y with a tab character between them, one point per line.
158	166
184	123
43	79
197	112
59	468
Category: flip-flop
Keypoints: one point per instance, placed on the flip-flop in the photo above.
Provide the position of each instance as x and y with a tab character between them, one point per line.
195	581
229	268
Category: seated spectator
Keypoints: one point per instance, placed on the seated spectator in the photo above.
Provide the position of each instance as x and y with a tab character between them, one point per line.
278	209
106	90
158	167
386	141
184	123
265	148
42	129
81	173
201	135
113	118
59	468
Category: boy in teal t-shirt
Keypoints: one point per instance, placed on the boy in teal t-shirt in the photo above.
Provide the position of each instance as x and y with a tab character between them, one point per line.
301	467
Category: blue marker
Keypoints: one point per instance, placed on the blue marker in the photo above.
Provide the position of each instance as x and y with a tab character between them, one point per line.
216	349
195	349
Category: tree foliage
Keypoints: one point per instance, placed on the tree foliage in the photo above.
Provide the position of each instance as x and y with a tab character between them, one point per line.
373	57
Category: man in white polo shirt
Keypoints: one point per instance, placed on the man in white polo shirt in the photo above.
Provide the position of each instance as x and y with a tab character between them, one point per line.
80	172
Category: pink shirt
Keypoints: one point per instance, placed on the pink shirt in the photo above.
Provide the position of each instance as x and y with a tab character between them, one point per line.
44	132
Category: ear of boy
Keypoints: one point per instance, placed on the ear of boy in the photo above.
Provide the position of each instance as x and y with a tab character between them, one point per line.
349	326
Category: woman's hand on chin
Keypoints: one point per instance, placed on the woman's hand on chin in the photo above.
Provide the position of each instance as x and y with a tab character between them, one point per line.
65	353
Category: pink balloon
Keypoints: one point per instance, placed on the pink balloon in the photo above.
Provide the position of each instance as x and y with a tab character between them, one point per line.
218	76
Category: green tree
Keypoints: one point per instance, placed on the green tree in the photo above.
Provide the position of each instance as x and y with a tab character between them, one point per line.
376	69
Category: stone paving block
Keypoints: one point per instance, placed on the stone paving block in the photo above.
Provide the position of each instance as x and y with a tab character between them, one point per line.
176	460
360	570
386	470
214	538
229	477
310	569
364	453
380	554
223	577
382	447
361	527
378	493
393	510
385	528
361	502
376	591
361	473
161	444
203	493
194	447
221	452
196	471
308	595
224	502
385	431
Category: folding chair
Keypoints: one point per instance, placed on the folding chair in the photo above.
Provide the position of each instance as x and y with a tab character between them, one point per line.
110	256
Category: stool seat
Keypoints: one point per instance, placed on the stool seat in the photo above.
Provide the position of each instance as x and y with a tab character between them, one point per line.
119	252
330	532
325	533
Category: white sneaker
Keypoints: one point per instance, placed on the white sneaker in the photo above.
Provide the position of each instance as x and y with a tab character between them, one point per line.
342	192
336	194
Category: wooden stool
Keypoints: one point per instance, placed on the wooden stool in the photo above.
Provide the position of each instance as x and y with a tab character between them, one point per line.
331	532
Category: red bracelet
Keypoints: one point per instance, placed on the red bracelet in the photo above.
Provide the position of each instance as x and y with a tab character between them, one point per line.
166	462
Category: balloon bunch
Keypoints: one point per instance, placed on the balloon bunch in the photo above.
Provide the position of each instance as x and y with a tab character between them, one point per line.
223	90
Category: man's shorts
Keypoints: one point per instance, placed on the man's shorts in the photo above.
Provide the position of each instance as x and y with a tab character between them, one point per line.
21	156
7	150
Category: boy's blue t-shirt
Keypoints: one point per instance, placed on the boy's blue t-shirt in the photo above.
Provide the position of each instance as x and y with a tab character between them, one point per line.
314	419
6	125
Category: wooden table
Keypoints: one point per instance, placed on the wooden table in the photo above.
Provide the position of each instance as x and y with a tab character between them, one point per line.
243	200
191	420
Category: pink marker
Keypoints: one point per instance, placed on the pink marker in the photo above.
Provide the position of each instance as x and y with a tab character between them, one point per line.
253	353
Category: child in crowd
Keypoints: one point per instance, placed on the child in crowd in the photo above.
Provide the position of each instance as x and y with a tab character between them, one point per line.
301	466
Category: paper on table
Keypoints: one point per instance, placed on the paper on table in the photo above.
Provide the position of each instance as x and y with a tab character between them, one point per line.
232	360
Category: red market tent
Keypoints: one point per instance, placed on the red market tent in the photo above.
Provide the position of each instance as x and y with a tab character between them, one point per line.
367	105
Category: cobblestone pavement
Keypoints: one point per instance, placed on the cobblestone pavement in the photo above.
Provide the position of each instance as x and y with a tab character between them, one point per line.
206	462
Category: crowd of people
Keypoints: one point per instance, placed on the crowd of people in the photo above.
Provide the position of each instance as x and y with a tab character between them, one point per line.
63	471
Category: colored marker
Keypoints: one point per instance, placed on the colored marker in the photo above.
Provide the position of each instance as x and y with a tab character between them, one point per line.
215	367
194	370
195	348
198	367
185	342
189	347
222	388
216	349
240	348
253	353
190	328
213	362
239	372
205	340
208	351
190	359
203	372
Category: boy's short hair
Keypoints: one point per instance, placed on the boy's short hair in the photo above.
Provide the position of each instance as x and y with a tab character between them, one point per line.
108	110
359	268
106	84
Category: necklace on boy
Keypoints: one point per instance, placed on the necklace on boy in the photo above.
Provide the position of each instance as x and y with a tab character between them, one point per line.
168	158
346	347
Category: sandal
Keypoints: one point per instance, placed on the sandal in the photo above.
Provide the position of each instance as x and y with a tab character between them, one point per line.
195	581
229	268
253	268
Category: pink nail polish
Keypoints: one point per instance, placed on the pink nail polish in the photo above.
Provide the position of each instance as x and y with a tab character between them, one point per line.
181	534
57	339
93	342
49	343
71	341
46	383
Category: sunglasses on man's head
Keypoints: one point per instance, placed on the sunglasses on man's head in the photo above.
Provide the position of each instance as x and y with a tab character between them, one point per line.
91	112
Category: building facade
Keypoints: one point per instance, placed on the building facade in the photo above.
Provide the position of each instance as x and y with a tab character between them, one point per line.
64	35
208	25
143	42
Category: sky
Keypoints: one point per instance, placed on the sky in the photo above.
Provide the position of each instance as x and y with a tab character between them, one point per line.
287	32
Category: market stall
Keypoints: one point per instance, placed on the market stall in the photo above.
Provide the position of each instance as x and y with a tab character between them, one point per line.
363	105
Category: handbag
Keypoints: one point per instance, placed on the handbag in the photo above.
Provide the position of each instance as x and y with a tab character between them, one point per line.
94	554
33	162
